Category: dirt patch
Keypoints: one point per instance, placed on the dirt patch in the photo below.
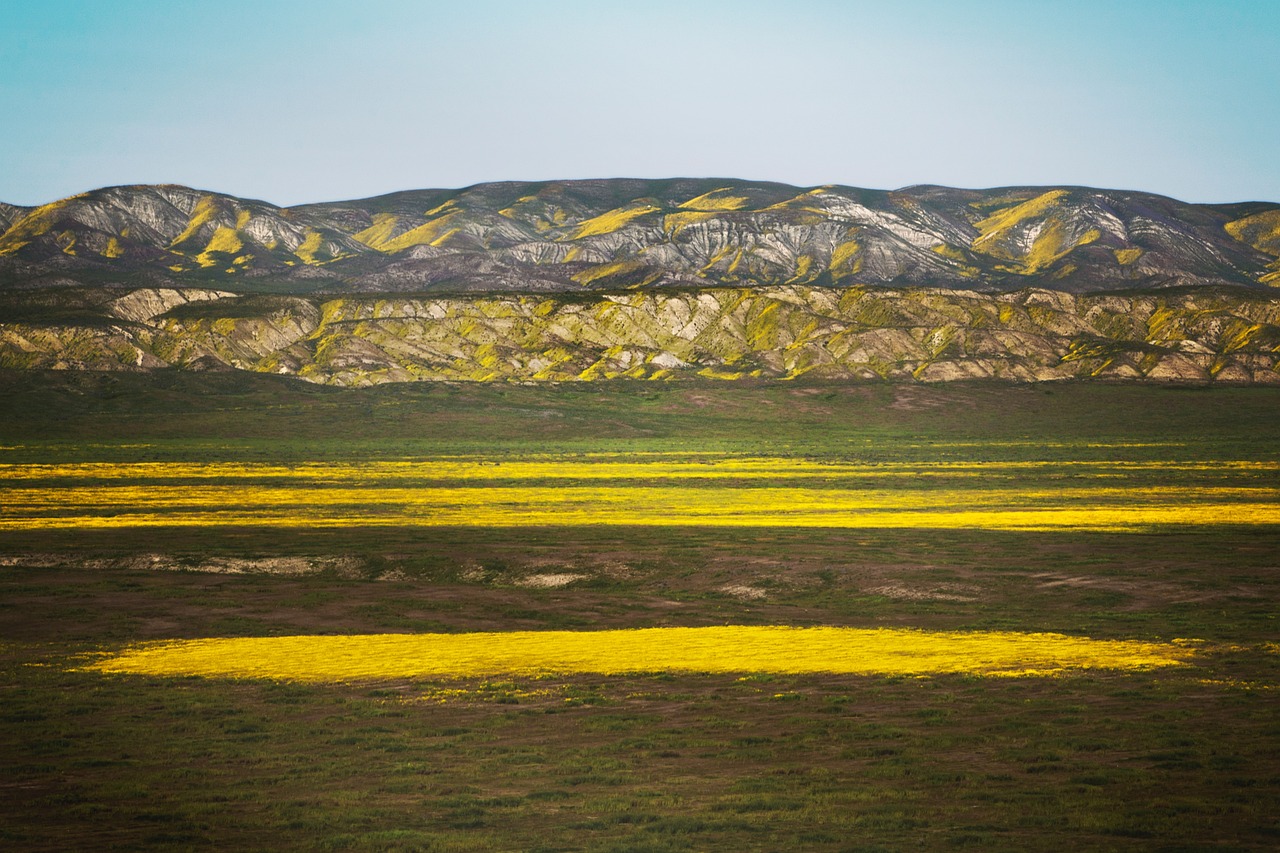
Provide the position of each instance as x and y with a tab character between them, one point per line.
550	581
617	570
743	591
473	573
31	561
1144	593
288	566
283	566
909	399
938	592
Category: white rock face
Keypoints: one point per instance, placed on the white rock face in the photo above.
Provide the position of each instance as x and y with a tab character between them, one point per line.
142	306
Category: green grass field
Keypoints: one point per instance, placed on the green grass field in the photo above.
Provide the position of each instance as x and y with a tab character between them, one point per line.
1186	758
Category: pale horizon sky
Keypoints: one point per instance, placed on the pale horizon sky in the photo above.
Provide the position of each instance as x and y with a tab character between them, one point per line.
295	101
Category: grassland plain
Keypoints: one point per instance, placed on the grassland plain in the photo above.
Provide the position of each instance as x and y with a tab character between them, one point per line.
1177	757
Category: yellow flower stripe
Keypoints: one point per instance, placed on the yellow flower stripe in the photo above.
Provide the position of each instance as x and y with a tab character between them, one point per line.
1107	508
727	649
494	468
1114	519
601	489
710	499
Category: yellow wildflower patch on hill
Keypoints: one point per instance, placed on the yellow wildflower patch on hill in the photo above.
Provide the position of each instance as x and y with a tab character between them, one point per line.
715	201
611	221
1261	231
1003	220
309	247
431	233
1052	241
225	241
204	212
1125	257
380	232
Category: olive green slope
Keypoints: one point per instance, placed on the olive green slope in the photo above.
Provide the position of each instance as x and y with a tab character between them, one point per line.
780	332
621	233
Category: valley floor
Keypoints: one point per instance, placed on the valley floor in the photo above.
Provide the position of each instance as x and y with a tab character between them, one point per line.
176	506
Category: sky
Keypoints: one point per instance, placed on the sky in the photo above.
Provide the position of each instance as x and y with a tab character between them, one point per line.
295	101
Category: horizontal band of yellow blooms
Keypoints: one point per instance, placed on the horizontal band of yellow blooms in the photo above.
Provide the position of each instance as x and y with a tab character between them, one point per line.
723	649
672	499
1107	519
604	454
487	468
1083	508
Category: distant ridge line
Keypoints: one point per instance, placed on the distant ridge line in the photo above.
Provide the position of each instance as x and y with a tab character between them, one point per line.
632	233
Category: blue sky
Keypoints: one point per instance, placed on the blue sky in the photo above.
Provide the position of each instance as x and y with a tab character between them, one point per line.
308	101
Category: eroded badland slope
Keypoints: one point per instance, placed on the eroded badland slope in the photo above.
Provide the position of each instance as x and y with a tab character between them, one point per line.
775	332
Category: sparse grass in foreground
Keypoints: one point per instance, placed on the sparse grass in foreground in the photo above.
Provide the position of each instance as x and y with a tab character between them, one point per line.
677	762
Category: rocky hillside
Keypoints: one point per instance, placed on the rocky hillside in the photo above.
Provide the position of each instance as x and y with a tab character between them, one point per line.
781	332
616	235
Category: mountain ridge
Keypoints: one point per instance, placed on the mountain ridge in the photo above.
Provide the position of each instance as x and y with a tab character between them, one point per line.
648	279
609	234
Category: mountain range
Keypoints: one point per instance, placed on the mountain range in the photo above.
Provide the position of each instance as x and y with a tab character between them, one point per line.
587	280
637	234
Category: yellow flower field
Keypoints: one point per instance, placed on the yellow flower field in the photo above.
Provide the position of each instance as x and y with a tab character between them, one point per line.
727	649
595	466
643	490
